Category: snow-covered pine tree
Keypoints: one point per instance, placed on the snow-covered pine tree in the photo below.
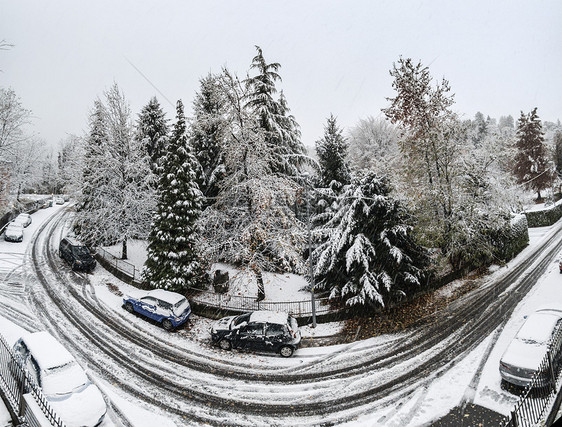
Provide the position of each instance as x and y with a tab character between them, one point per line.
251	224
117	196
532	165
95	178
173	262
152	131
370	257
332	156
207	136
281	131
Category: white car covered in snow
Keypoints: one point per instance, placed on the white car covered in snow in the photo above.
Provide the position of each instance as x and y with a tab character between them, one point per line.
13	233
70	393
23	219
521	361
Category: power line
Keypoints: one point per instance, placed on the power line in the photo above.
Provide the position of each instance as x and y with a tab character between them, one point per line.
149	82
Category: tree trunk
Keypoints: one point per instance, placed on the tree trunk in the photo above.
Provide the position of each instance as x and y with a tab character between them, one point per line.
124	250
259	278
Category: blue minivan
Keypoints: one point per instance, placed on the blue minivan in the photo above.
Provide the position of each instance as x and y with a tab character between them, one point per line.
170	309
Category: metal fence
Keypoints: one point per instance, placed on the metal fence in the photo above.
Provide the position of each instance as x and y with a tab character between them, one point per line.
225	301
16	387
538	396
243	304
123	266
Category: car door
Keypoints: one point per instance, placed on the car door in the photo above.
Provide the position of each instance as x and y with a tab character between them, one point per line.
252	336
275	336
147	307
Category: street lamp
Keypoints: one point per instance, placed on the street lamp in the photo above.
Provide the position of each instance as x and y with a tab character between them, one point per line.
310	266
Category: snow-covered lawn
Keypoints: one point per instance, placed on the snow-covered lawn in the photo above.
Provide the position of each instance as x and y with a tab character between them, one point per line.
278	287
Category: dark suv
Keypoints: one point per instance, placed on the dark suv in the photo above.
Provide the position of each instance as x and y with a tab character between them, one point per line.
76	254
258	331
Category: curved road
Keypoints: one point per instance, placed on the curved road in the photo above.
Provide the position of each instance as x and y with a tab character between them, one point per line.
199	384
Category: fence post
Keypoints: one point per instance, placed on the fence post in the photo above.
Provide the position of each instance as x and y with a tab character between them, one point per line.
551	370
514	418
22	389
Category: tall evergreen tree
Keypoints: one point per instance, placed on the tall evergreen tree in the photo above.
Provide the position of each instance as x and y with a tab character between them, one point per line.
332	154
370	256
152	131
207	134
251	224
281	130
117	197
532	166
173	262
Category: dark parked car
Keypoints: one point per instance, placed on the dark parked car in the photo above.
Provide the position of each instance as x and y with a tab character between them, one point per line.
270	331
167	308
76	254
541	332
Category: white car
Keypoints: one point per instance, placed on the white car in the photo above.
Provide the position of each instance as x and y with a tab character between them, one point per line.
24	219
70	393
59	200
13	232
522	359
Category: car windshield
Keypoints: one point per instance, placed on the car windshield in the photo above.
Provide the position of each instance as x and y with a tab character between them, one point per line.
80	250
180	306
63	379
241	319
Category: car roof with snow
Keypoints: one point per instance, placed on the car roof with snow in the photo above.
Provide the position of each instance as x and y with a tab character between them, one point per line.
74	242
46	350
168	296
539	325
13	225
278	317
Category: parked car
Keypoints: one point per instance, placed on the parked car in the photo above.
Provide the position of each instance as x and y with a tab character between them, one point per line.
76	254
13	232
170	309
24	219
522	358
59	200
74	398
271	331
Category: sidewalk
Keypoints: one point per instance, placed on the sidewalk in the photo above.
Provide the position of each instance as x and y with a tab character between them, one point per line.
470	416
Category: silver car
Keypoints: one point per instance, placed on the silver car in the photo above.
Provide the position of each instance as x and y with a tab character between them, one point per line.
13	232
76	400
523	357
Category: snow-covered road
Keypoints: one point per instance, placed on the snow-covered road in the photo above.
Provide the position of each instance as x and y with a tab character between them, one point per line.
153	377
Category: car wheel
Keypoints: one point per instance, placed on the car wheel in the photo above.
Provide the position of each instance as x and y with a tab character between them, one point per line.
225	344
167	324
129	307
286	351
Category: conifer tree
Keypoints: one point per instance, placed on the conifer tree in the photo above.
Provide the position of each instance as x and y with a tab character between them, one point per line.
532	166
152	131
332	153
116	200
173	262
370	256
281	131
207	137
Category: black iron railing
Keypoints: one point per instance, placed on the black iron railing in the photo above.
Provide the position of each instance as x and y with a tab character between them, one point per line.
537	398
16	386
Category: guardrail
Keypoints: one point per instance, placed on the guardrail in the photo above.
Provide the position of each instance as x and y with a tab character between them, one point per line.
538	396
16	385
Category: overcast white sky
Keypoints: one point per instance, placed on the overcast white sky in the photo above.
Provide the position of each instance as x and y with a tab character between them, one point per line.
500	56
